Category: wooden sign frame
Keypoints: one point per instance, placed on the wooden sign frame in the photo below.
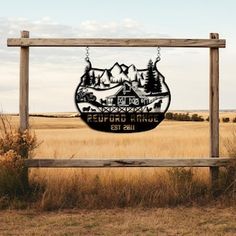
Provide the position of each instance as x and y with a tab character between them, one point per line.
213	44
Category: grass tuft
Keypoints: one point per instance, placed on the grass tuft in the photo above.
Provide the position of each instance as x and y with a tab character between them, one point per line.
14	148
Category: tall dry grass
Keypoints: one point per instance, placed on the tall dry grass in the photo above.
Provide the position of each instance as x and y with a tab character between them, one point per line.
228	174
169	139
70	137
99	188
15	146
126	187
114	188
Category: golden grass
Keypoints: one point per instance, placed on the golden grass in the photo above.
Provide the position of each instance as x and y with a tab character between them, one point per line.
70	137
96	188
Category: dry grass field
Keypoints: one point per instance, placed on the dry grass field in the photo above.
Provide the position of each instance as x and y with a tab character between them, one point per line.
70	137
136	189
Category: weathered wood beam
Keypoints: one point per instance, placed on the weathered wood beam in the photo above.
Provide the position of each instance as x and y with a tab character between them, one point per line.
214	100
93	163
214	109
24	85
114	42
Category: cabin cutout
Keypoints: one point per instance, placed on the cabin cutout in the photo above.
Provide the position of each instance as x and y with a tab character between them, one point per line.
127	96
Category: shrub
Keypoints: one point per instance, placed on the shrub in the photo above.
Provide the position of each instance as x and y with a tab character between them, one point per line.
12	181
186	188
178	116
183	117
196	117
169	116
228	180
23	144
228	176
234	119
15	146
225	119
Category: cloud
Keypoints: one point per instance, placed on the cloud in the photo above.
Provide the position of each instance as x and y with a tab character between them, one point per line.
124	28
46	27
55	72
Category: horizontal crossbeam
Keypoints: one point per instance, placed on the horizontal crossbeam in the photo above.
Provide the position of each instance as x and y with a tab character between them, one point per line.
114	42
93	163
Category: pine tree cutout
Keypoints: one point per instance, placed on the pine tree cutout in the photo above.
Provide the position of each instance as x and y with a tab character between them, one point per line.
153	83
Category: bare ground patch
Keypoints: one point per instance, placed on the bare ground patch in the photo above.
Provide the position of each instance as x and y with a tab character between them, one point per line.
157	221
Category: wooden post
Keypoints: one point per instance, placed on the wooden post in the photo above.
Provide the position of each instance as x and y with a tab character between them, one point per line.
24	101
214	111
24	85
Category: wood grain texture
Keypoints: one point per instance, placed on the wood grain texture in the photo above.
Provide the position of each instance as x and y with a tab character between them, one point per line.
214	99
94	163
214	111
114	42
24	85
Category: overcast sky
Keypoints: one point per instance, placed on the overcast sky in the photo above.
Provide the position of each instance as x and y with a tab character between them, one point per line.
55	72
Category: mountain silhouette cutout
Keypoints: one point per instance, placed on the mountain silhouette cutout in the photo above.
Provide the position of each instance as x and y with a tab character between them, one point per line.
117	74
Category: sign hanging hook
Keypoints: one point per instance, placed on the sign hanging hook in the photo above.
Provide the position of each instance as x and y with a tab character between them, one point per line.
87	54
158	54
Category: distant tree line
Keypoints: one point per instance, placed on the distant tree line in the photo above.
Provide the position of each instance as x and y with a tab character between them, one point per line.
193	117
224	119
183	117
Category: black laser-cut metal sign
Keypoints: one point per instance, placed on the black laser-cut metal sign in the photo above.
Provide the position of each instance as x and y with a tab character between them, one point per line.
122	99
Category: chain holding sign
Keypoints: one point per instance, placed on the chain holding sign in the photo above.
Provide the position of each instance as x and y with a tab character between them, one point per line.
122	99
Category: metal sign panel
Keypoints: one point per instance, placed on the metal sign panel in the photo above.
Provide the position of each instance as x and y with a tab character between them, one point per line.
122	99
